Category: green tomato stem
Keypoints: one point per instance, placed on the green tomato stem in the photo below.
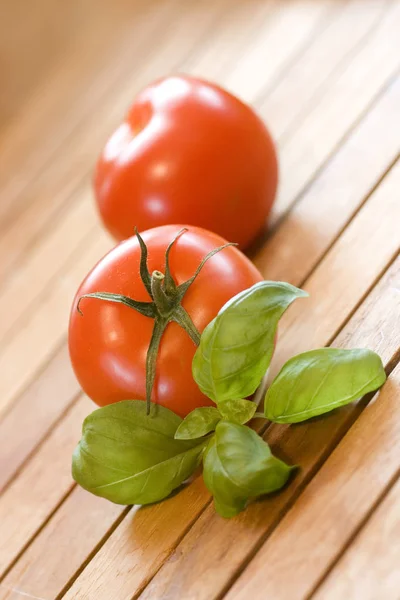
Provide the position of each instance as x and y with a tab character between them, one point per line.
151	358
164	304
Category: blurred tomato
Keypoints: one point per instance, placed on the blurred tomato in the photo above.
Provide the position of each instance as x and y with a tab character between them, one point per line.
188	152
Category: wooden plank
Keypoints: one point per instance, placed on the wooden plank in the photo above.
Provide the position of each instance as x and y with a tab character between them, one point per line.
40	487
370	568
295	21
333	506
214	550
90	522
201	554
241	22
23	290
344	101
44	329
34	414
335	195
308	77
149	533
356	260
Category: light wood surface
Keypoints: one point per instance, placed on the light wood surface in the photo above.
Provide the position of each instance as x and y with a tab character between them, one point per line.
325	76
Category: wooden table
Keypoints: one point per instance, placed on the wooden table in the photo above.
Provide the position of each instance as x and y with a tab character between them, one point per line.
325	76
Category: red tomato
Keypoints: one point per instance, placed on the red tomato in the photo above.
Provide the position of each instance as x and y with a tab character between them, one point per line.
109	343
188	152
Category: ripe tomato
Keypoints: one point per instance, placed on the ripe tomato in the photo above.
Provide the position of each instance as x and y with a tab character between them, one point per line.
188	152
108	344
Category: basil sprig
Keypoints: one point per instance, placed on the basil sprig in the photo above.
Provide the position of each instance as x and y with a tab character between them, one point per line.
236	347
238	466
128	457
316	382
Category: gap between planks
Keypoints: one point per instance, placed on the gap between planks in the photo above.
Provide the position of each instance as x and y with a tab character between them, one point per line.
370	565
355	534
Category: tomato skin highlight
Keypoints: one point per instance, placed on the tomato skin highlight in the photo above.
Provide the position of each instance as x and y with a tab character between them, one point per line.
188	152
108	344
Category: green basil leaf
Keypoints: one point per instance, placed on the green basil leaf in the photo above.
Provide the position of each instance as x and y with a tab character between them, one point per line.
198	423
237	411
319	381
129	457
236	347
238	465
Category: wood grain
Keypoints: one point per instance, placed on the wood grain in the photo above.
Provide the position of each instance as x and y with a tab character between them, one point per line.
37	490
34	413
348	96
370	568
43	330
308	78
43	562
347	271
336	194
295	21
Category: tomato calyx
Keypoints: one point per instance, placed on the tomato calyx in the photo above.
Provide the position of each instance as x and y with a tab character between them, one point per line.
165	305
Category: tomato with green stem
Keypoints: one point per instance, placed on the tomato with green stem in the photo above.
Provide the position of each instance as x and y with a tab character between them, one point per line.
190	152
137	317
